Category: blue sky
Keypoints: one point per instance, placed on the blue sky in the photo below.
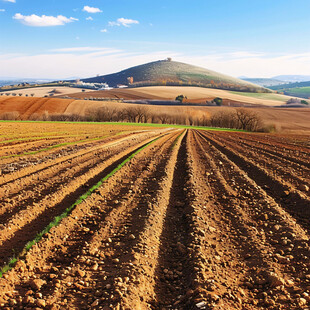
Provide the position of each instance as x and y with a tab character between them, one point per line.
59	39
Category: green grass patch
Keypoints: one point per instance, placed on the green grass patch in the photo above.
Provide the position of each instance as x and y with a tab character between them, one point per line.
264	96
298	92
138	125
56	221
176	140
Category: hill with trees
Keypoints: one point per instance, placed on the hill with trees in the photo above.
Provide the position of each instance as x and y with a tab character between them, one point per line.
172	73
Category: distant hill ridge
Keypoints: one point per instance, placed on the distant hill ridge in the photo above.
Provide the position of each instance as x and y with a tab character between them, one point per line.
264	82
291	85
172	73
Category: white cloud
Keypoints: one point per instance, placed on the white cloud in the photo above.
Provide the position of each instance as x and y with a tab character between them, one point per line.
124	22
90	9
12	1
104	30
43	21
89	18
2	10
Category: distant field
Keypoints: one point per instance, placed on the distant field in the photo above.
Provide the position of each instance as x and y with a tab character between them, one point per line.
44	91
193	93
286	119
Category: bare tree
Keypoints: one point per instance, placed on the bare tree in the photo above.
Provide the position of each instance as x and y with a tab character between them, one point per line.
141	114
163	117
10	116
248	120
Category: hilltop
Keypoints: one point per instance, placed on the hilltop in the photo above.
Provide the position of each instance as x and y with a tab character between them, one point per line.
172	73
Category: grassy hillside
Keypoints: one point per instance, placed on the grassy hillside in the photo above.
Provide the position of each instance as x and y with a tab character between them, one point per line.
303	92
171	73
263	96
301	89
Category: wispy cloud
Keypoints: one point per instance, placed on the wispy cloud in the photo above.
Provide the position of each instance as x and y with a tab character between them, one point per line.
104	30
62	65
2	10
44	20
252	64
82	49
89	18
90	9
243	54
12	1
124	22
83	62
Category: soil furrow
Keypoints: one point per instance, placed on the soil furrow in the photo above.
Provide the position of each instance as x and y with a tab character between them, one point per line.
175	266
53	179
194	220
24	226
293	201
102	212
296	176
272	228
35	164
276	154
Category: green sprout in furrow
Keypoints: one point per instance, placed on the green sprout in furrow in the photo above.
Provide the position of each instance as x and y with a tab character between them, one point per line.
10	265
177	139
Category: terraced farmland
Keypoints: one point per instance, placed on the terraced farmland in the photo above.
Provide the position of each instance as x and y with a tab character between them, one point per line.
144	218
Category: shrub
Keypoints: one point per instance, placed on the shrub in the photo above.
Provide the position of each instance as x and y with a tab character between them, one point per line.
218	101
180	98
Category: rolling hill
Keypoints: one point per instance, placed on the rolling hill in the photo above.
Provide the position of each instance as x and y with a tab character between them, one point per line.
193	94
172	73
299	89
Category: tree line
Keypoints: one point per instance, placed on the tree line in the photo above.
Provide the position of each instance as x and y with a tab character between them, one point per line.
238	118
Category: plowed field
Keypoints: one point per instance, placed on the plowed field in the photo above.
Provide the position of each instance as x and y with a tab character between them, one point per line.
154	219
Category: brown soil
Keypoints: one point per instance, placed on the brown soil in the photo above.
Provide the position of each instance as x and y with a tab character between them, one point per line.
197	220
29	106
